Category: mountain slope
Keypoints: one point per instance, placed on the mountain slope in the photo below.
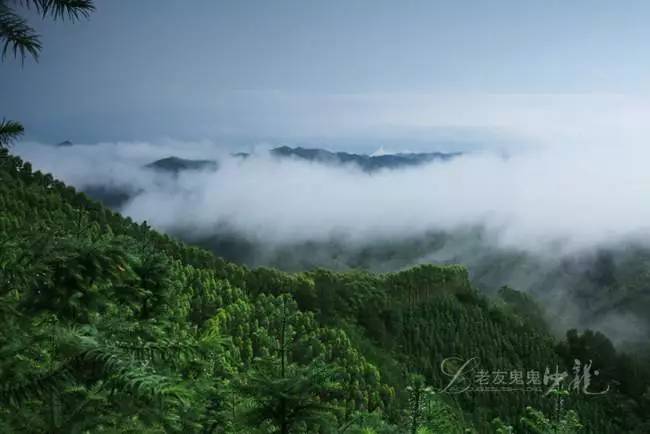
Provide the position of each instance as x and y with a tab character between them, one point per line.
109	325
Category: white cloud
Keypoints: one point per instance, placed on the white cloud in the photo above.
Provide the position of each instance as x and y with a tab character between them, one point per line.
579	174
531	199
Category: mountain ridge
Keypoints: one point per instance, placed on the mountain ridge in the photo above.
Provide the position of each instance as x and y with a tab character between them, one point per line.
176	164
113	297
368	163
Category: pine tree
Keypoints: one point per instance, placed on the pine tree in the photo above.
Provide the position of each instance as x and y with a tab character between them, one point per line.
286	395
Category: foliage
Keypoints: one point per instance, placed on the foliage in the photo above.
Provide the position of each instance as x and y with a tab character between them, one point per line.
19	38
109	325
9	132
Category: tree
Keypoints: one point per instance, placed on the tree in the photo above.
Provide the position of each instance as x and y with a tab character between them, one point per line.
286	395
9	132
292	402
427	413
20	39
418	395
537	422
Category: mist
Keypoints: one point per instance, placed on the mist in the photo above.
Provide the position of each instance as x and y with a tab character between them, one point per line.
536	219
542	200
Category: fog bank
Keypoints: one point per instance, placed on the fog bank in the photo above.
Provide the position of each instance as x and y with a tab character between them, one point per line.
537	199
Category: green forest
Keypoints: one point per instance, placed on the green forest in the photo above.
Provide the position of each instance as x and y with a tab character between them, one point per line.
111	326
107	325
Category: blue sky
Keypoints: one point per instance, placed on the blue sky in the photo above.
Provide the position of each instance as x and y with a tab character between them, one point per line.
346	73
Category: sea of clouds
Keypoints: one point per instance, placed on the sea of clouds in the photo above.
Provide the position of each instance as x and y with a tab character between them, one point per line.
544	197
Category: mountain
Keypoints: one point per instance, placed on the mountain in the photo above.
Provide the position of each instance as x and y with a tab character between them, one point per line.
368	163
176	165
115	197
601	289
109	325
607	289
64	143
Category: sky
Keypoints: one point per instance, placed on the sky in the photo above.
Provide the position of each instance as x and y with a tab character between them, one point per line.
338	74
561	87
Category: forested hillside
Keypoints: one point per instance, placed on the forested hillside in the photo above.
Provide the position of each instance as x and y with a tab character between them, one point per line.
109	326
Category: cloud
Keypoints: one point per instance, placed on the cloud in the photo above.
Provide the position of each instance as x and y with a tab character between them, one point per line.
564	198
550	180
515	120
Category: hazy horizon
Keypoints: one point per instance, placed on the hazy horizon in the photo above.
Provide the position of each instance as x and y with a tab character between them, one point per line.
348	76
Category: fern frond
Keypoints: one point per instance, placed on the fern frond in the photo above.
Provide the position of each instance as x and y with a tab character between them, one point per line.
61	9
17	35
9	130
164	350
124	372
142	382
37	387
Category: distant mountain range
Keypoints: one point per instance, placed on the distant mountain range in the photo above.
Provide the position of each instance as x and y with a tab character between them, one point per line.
368	163
606	288
116	197
175	164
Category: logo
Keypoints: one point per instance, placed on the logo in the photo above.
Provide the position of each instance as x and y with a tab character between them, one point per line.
469	376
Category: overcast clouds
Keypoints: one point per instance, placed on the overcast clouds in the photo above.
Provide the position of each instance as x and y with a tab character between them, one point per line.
558	89
338	73
551	101
600	194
